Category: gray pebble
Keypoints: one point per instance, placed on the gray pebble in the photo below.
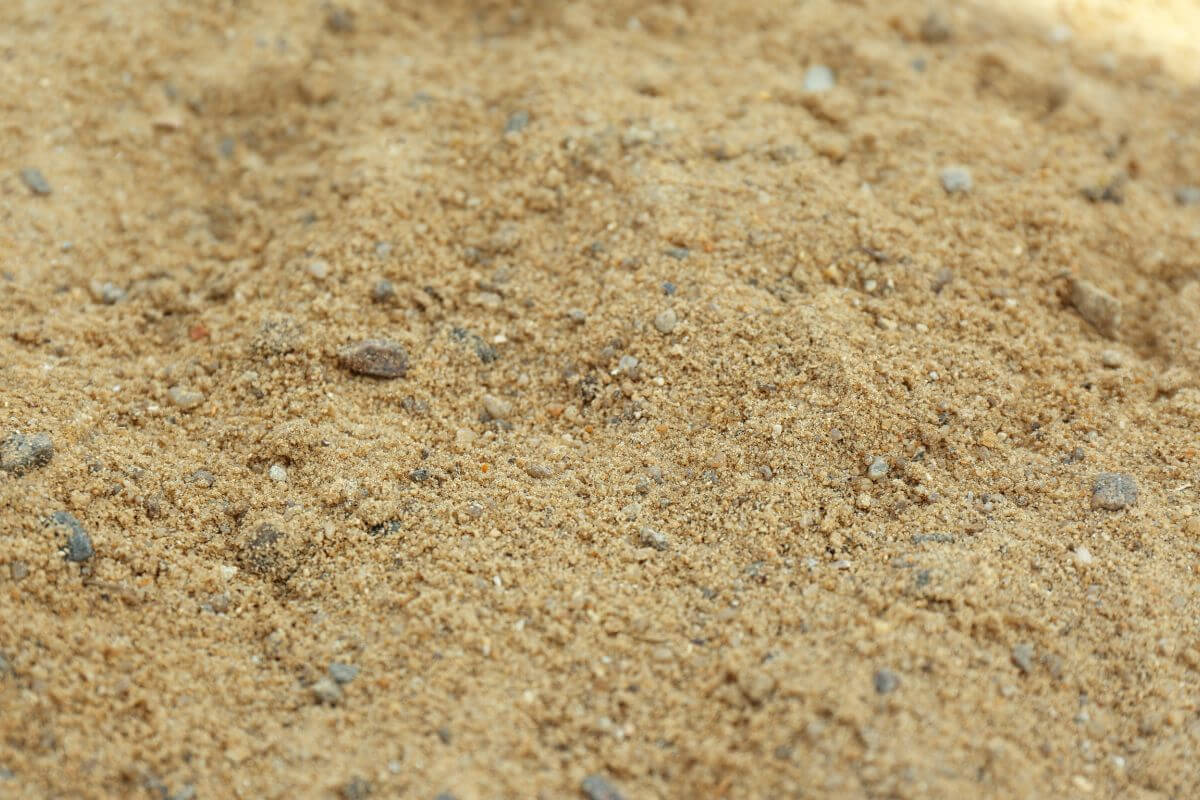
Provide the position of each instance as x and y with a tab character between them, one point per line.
678	253
188	792
475	509
419	475
79	544
886	681
340	20
356	789
107	293
936	28
327	691
819	78
941	279
383	291
516	122
277	336
343	673
378	358
20	453
383	249
184	398
652	538
1099	308
445	796
598	787
35	181
668	288
1188	195
627	363
203	477
539	470
577	316
878	468
1022	657
665	321
1113	491
956	179
18	570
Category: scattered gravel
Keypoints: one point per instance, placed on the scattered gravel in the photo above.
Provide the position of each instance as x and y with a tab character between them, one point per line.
1101	310
819	78
496	407
79	544
343	673
1022	657
277	473
20	453
35	181
886	681
598	787
652	538
378	358
665	321
956	179
877	468
327	691
1113	491
185	399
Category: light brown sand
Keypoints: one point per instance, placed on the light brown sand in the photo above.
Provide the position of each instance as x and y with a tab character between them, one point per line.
246	174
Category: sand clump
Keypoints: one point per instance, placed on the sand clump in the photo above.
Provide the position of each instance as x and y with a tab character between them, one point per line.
515	400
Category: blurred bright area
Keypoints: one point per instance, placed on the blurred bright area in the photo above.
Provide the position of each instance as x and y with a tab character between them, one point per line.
1167	29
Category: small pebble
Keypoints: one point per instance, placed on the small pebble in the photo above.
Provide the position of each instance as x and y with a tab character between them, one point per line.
1099	308
941	279
652	538
419	475
1188	195
539	470
384	291
183	398
577	316
516	122
319	269
956	179
277	473
79	544
475	510
665	321
378	358
886	681
678	253
327	691
496	407
936	28
356	789
20	453
1022	657
598	787
819	78
203	477
35	181
340	20
1111	359
627	363
107	293
343	673
1083	556
668	288
18	570
1113	491
878	468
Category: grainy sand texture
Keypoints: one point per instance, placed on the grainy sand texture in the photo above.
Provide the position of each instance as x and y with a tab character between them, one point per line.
715	399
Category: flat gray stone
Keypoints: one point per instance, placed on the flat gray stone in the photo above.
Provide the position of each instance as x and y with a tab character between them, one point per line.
79	544
20	453
1113	491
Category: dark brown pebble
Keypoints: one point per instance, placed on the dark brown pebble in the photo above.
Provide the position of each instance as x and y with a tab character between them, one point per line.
379	358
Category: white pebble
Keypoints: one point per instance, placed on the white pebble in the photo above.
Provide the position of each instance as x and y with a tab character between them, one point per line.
1083	556
819	78
319	269
496	408
277	473
956	179
666	321
186	399
627	363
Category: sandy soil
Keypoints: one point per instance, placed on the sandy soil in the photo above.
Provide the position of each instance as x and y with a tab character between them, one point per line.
734	456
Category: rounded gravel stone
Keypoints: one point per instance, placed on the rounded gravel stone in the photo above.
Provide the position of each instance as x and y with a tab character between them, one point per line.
378	358
1113	491
20	453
